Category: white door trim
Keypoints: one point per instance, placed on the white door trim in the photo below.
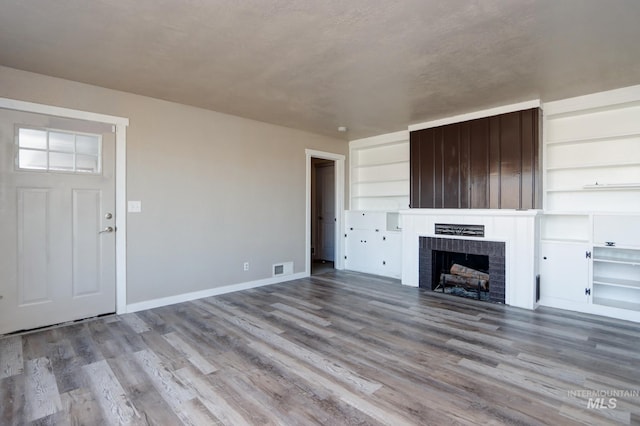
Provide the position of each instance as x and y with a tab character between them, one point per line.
120	124
339	206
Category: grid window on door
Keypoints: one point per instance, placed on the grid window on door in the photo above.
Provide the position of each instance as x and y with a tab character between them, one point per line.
58	151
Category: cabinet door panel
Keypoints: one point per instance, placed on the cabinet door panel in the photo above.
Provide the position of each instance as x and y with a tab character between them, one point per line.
360	248
622	230
564	272
391	253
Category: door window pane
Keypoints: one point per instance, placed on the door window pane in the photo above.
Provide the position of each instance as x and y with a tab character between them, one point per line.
88	145
31	138
61	161
61	142
87	164
59	151
30	159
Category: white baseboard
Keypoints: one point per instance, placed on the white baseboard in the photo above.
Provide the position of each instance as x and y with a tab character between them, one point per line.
164	301
593	309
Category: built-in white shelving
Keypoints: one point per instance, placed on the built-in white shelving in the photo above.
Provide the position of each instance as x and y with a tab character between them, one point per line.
565	227
590	230
616	277
379	172
591	155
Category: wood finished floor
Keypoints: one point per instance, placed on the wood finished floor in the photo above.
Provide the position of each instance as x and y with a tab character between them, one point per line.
339	348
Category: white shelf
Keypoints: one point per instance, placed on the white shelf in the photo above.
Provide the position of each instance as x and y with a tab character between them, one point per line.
614	303
361	182
615	260
564	240
381	196
552	111
617	246
602	187
601	138
617	282
379	164
606	186
566	213
593	166
615	254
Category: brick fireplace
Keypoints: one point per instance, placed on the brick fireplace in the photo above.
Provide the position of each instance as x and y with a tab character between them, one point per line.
511	233
494	252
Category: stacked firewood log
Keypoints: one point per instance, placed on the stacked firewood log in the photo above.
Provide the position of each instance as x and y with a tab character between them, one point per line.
466	277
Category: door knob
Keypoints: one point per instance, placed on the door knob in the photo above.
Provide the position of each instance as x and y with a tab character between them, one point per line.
107	229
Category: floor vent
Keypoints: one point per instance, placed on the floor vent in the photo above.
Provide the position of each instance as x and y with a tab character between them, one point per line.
284	268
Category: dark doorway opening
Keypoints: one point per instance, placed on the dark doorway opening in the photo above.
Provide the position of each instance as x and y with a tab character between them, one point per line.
323	215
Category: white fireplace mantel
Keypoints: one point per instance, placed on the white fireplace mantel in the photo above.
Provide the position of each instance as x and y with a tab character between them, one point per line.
518	229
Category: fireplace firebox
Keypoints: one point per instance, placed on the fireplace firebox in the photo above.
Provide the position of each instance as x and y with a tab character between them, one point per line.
468	268
461	274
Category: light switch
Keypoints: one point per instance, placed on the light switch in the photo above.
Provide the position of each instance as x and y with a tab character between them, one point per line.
134	206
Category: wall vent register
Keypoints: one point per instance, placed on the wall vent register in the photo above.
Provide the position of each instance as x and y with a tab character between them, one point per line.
462	230
58	151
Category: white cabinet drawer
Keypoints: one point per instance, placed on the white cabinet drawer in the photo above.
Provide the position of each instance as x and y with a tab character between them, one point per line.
622	230
366	220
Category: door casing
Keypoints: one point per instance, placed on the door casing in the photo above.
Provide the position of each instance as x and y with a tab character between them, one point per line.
339	207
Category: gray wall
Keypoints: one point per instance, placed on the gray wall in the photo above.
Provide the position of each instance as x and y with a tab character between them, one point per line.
216	190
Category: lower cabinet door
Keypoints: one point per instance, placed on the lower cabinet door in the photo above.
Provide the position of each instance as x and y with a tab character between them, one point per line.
391	255
564	273
359	251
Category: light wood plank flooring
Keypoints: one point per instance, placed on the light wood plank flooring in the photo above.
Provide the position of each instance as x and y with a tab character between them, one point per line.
334	349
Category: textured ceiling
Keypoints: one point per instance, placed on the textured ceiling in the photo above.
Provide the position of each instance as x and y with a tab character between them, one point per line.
375	66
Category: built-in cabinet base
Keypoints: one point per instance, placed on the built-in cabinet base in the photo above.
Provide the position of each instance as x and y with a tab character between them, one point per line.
373	243
591	263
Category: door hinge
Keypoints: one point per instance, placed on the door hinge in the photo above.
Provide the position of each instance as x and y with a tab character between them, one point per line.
587	292
587	254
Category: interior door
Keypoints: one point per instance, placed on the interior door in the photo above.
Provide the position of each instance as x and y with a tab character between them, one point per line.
325	177
57	200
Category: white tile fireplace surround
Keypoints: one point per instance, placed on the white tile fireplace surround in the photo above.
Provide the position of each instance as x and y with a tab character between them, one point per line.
518	229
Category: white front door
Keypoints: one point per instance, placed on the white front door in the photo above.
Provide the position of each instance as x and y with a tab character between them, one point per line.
57	220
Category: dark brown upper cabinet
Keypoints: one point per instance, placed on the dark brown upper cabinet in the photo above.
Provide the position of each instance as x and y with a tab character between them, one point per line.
488	163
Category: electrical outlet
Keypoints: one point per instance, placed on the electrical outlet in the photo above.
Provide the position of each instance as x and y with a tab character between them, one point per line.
246	266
